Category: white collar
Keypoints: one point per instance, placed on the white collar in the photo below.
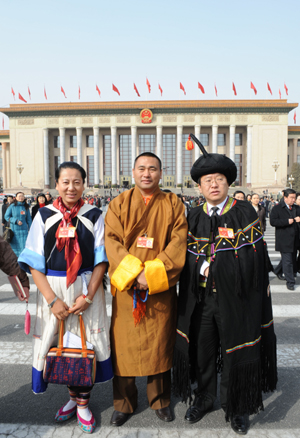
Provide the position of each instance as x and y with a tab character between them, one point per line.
220	206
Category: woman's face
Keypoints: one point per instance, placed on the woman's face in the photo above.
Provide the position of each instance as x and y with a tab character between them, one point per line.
41	200
20	197
255	199
298	200
70	186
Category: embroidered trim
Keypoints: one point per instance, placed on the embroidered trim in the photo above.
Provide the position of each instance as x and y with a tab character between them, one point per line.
99	330
183	335
268	325
247	344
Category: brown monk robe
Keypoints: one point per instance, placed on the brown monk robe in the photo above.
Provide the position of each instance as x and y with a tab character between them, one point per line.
144	349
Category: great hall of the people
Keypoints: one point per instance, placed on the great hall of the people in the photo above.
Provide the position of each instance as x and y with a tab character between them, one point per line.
105	138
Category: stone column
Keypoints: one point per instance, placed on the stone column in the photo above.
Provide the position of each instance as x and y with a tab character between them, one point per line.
62	140
179	155
79	145
232	142
197	135
46	159
249	154
159	141
215	139
113	155
4	166
133	146
96	154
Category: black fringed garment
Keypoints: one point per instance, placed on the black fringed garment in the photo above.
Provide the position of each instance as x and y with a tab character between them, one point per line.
240	270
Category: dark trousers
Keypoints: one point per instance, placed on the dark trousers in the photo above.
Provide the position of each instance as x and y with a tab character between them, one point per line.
287	266
206	323
126	393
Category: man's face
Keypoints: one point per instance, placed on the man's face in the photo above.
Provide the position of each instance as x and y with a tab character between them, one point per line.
147	174
290	200
240	197
48	197
214	188
10	199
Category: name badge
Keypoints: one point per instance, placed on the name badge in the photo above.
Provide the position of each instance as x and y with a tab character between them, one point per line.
22	212
144	242
67	232
226	232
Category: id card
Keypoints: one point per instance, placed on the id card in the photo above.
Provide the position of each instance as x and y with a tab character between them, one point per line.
144	242
226	232
67	232
22	212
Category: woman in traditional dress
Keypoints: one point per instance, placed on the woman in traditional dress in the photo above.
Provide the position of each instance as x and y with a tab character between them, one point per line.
18	215
68	272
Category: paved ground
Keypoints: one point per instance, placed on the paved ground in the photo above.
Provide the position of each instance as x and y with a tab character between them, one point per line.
23	414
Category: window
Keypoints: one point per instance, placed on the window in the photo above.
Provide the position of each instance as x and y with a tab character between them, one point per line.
221	139
107	155
288	160
125	155
146	143
73	141
89	141
298	159
1	165
56	141
169	154
238	139
238	163
187	157
204	138
90	170
56	162
73	158
298	142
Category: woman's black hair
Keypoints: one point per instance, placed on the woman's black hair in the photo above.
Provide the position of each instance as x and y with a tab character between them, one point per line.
25	201
70	165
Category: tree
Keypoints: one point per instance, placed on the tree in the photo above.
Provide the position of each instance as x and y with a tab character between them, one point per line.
295	171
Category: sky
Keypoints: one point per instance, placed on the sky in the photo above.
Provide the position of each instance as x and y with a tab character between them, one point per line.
71	43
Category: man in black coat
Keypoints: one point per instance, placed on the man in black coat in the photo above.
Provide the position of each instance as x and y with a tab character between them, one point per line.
285	217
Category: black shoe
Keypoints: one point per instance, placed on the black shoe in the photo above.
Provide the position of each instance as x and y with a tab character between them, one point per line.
240	424
200	407
118	418
164	414
280	277
290	287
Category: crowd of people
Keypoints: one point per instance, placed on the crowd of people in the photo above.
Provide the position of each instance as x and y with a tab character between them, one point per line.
213	245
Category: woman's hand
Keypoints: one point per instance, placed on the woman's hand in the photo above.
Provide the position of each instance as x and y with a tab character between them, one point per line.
60	310
79	306
20	223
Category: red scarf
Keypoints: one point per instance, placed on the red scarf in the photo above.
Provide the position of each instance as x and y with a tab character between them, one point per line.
73	255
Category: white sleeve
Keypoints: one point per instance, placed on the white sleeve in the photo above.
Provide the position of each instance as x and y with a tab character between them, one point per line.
204	265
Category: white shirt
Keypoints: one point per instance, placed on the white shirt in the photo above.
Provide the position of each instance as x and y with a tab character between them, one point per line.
205	264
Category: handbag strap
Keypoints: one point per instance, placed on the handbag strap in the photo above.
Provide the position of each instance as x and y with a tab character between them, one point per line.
61	337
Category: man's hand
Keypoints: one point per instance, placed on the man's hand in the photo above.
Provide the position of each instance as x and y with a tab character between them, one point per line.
141	281
297	218
291	221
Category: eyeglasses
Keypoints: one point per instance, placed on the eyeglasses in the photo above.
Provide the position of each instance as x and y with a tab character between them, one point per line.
218	180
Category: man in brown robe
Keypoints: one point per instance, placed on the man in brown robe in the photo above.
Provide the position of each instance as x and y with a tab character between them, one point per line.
145	241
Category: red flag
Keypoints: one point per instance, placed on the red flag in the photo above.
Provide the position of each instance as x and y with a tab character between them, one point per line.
234	89
182	87
136	90
97	89
45	94
269	88
13	93
3	123
115	89
295	117
216	91
148	85
160	89
201	87
63	91
22	98
253	88
79	92
29	93
279	93
286	89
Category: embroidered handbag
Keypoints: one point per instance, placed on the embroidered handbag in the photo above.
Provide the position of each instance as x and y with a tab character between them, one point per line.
8	233
70	366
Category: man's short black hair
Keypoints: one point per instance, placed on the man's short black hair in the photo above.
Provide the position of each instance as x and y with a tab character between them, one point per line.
70	165
288	192
237	192
148	154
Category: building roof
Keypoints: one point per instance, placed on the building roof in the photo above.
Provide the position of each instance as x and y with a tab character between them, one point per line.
4	135
158	107
294	129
